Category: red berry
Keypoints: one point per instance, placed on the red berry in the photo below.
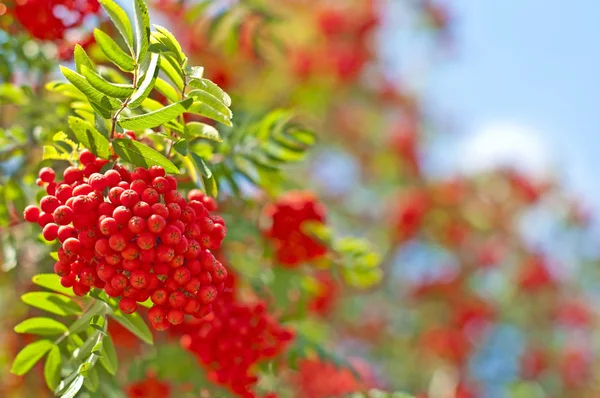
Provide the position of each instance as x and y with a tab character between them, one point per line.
129	198
119	282
175	316
72	245
49	203
138	186
142	209
160	210
136	225
150	196
156	224
128	305
80	289
207	294
46	174
63	215
72	174
177	299
108	226
159	296
62	269
98	181
156	314
117	242
145	241
138	279
156	171
86	157
31	213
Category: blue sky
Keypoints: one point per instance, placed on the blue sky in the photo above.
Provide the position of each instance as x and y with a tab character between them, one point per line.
534	65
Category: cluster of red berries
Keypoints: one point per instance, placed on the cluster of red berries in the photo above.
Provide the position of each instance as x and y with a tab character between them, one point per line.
319	379
292	245
50	19
231	341
135	236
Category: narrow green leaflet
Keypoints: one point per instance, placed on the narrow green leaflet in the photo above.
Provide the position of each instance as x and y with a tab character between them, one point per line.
52	368
51	302
106	87
202	130
109	356
195	72
208	180
142	155
120	19
91	381
91	93
41	326
212	101
156	118
167	90
29	356
147	84
52	282
172	70
167	39
113	52
73	388
142	29
135	324
65	89
203	109
90	138
212	88
82	59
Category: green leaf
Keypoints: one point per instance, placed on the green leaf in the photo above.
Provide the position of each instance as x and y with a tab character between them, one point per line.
195	72
52	282
120	19
52	368
167	39
203	109
142	29
100	125
113	52
50	153
51	302
73	387
156	118
135	324
82	59
91	381
211	101
106	87
202	130
172	70
212	88
91	93
97	349
29	356
90	138
167	90
147	84
181	147
66	89
109	356
139	154
82	323
208	180
97	322
42	326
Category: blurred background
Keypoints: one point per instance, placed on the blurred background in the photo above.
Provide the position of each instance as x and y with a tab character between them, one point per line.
459	138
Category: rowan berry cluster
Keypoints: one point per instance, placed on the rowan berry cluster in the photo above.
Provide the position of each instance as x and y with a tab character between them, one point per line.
320	379
132	234
233	339
292	244
50	19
